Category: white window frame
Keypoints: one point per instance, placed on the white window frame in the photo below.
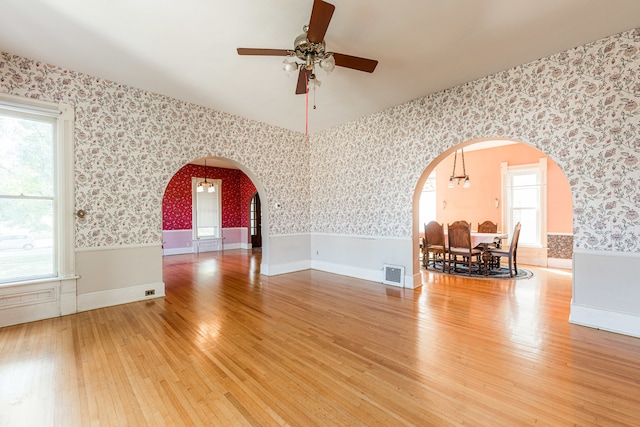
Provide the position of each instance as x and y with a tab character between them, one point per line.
507	217
428	201
64	226
217	184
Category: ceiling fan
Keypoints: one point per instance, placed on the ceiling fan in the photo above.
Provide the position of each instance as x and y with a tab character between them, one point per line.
309	50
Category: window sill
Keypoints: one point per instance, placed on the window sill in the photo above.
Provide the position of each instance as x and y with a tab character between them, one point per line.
38	281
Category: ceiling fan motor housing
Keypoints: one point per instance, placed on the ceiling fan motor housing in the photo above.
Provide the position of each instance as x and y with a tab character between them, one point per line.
307	51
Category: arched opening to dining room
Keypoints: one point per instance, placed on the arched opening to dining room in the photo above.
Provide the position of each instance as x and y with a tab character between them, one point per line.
503	182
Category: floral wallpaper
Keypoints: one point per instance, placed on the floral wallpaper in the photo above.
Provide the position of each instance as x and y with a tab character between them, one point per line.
581	107
129	143
177	204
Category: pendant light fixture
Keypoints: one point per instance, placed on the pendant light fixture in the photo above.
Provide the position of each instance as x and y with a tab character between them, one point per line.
202	185
464	177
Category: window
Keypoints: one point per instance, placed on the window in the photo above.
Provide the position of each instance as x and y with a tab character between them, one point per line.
428	202
253	214
36	240
526	201
207	216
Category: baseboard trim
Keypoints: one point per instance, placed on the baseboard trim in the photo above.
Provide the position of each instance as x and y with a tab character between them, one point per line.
119	296
178	251
290	267
416	281
239	245
621	323
411	281
347	270
565	263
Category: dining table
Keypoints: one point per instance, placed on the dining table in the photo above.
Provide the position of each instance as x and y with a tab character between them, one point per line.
482	238
482	241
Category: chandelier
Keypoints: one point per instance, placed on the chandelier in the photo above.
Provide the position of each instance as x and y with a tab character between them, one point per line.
464	177
202	185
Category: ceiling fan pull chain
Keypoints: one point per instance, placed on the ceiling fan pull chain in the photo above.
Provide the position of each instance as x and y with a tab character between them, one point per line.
307	105
314	97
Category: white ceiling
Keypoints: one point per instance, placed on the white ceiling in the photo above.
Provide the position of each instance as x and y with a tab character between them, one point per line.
187	49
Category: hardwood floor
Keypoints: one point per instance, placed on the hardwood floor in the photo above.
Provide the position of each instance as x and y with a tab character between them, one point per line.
227	346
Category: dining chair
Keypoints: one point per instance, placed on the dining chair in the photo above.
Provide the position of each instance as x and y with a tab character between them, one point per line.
511	252
491	227
459	234
434	243
487	227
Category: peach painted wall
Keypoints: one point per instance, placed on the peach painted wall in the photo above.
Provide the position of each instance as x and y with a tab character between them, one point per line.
477	203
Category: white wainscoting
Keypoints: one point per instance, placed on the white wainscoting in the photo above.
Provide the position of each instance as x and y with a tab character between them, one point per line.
207	245
37	300
560	263
362	257
118	274
531	256
177	242
235	238
119	296
606	291
287	253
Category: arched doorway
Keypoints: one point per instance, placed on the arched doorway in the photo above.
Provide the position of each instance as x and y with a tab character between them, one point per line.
216	218
489	164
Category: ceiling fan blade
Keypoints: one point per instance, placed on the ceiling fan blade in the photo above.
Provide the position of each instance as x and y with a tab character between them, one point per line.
320	17
265	52
301	87
355	62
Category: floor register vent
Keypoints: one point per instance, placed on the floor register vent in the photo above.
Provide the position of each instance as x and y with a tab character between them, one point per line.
393	275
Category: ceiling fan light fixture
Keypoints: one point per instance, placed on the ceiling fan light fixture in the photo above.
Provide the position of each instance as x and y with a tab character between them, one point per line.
328	63
289	65
314	82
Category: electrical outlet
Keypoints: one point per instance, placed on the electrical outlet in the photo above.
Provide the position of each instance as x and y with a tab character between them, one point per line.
149	292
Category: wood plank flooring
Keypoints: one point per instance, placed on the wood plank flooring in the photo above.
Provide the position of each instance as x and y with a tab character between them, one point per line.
227	346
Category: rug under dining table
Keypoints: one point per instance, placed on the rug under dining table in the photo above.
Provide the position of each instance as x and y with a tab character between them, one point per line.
501	273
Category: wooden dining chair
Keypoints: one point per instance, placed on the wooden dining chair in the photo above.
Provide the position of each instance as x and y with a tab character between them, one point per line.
511	252
460	246
434	243
487	227
491	227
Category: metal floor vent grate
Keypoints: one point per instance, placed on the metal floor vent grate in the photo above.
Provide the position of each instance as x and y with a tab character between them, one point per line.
393	275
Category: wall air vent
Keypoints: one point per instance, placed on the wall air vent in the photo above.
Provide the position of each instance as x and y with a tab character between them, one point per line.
393	275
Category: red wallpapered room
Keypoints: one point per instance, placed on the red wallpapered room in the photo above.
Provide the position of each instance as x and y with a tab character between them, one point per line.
236	193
